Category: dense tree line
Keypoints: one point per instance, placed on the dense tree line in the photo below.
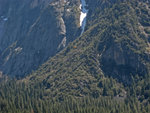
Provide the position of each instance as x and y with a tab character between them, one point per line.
73	81
18	98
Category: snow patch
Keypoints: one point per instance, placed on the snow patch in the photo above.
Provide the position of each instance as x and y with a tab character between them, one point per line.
4	18
83	15
18	49
68	10
54	3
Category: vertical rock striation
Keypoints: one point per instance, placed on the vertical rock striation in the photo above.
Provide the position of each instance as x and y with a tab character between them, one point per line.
32	31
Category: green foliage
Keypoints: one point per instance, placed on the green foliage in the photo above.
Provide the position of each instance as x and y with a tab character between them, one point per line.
106	70
20	99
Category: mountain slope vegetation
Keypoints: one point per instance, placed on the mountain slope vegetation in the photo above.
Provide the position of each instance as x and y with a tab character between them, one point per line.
104	70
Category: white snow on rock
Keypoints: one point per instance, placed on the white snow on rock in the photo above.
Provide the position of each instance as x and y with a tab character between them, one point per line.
18	49
83	15
5	19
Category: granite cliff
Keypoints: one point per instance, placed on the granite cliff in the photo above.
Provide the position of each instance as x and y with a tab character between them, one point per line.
34	30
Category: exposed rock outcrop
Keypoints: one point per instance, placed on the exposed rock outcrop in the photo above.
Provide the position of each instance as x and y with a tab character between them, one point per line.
32	31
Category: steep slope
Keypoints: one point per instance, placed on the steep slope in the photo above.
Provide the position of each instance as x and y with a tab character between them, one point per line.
113	47
32	31
104	70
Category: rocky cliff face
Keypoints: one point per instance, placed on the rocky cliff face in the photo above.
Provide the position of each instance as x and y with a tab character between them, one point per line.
113	46
124	46
34	30
109	63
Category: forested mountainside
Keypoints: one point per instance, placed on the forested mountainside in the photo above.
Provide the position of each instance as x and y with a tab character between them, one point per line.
104	70
31	31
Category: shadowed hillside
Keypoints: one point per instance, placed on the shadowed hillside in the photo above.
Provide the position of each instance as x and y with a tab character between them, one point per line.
106	70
